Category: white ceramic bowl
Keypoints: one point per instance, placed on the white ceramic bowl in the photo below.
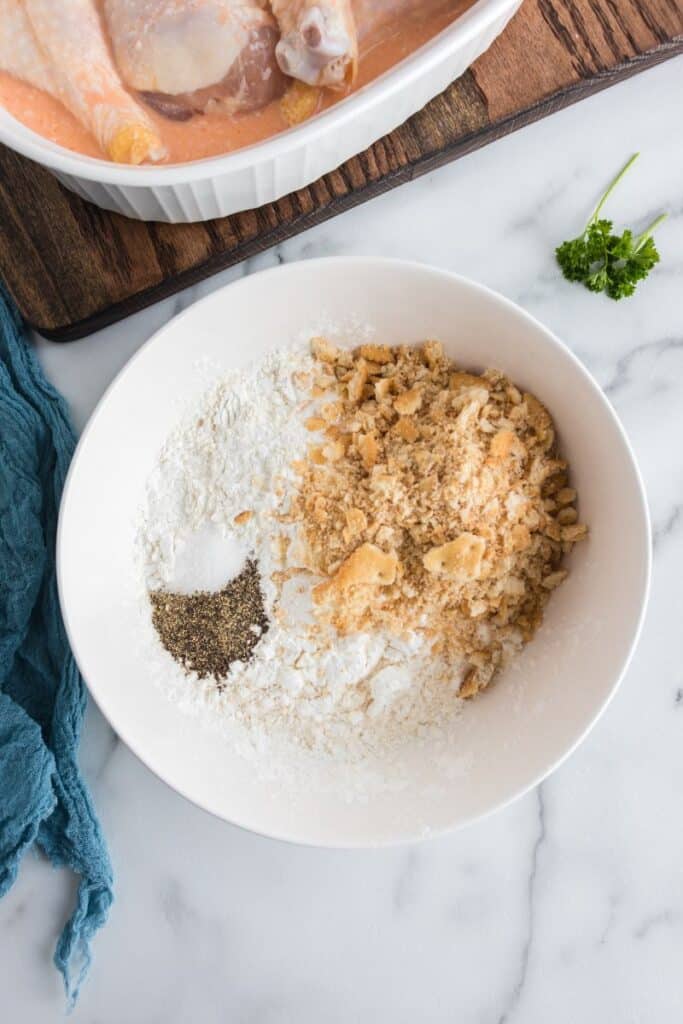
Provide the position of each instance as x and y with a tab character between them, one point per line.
516	732
263	173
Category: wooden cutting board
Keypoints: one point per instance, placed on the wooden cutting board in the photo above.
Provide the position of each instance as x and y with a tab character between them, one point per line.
73	268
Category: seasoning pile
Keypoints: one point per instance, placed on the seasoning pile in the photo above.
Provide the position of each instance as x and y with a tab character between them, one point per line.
206	632
404	522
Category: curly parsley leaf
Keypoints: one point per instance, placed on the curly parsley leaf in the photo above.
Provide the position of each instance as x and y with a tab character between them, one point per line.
604	261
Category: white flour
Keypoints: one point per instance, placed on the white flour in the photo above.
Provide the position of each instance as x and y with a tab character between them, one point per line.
306	694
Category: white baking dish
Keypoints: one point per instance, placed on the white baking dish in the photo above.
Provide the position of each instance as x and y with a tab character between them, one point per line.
264	172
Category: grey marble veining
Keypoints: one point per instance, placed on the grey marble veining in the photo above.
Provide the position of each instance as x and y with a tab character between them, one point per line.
568	905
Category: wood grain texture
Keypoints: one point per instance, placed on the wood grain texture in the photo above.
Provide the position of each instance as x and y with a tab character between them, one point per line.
73	268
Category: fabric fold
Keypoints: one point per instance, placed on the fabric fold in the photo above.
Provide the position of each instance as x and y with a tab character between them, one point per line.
42	696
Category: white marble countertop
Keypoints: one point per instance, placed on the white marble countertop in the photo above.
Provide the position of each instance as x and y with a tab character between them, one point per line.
567	906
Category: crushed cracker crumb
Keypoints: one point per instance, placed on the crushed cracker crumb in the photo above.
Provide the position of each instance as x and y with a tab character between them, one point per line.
441	503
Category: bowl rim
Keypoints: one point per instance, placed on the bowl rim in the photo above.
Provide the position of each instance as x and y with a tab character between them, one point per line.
508	306
61	160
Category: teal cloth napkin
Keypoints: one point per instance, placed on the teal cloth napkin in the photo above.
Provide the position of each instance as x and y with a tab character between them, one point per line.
43	798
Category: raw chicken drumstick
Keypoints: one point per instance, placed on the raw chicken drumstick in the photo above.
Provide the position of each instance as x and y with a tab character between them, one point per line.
190	55
19	51
319	44
60	48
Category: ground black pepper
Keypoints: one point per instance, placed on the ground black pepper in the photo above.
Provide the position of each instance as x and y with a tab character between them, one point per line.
205	631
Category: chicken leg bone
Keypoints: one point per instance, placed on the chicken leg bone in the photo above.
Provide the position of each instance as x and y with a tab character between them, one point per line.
319	44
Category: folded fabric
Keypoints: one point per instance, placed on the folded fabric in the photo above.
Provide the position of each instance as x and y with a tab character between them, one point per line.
42	698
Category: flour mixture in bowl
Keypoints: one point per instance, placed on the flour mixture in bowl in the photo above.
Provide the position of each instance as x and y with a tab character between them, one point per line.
341	547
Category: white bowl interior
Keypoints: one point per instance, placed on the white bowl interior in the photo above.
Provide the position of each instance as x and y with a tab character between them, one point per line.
513	734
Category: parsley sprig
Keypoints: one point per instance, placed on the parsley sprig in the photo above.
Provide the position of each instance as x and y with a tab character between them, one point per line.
605	262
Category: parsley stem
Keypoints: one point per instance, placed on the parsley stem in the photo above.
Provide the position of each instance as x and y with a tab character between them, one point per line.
611	188
642	239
